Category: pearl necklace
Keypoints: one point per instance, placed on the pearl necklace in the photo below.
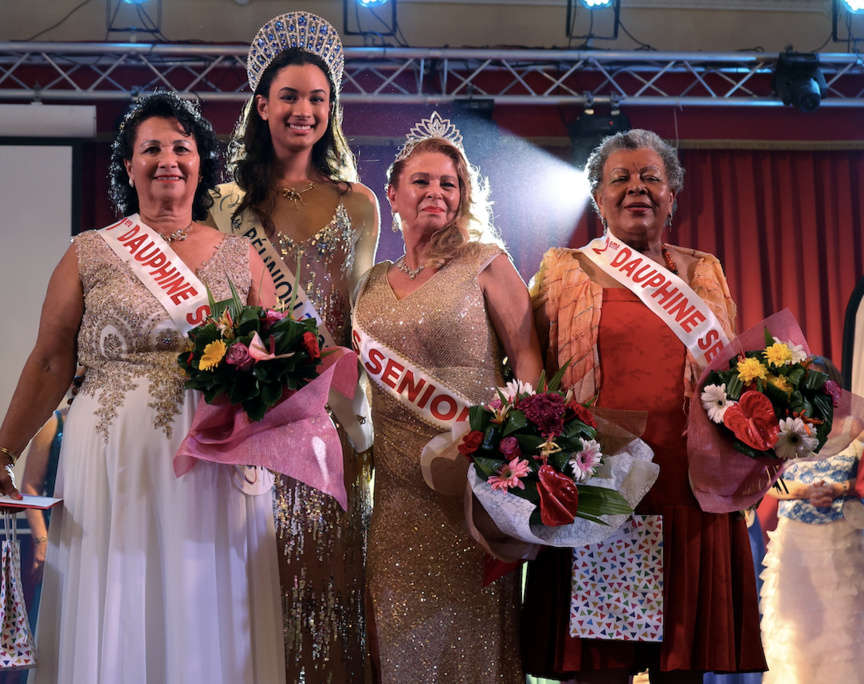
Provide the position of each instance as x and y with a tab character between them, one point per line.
410	272
295	195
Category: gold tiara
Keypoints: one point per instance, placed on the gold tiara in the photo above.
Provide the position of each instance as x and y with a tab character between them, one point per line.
433	127
301	30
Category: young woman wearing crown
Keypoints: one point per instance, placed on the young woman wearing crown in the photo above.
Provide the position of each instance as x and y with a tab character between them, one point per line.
295	194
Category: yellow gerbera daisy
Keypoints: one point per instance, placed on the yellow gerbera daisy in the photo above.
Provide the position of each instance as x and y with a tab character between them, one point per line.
751	369
778	354
213	354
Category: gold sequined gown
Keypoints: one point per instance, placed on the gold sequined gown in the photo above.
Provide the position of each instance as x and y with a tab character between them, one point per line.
322	548
150	578
434	620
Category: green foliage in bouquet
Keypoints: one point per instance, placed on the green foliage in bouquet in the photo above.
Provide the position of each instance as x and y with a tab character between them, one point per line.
251	354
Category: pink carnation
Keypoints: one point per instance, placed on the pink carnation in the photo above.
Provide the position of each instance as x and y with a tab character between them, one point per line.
833	390
272	316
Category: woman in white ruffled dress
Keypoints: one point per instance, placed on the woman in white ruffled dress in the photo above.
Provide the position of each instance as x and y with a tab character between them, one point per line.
813	581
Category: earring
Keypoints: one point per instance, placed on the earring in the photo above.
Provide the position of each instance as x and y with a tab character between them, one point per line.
605	225
394	225
669	223
131	183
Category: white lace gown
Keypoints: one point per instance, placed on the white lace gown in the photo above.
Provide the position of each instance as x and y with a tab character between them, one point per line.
151	579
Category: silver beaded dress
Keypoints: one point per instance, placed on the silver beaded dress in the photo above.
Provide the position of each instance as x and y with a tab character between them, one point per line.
322	548
435	622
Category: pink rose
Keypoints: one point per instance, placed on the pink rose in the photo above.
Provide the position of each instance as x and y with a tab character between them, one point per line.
272	317
238	355
509	446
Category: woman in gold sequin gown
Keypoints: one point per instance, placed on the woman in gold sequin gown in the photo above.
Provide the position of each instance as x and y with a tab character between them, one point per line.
453	306
148	577
295	181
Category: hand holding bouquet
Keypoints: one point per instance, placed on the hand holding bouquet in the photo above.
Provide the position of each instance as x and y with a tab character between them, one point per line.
251	354
757	406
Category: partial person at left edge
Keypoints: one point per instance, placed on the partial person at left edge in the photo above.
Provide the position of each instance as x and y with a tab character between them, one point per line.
147	577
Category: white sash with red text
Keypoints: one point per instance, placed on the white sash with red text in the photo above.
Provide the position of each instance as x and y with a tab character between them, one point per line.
427	397
667	295
161	271
354	413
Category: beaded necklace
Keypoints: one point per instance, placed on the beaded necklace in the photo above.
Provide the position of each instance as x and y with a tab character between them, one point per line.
670	263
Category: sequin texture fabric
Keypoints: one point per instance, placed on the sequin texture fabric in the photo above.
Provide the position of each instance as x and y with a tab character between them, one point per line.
434	619
321	547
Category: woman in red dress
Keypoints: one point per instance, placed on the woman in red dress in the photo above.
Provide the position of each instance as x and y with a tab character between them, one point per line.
629	358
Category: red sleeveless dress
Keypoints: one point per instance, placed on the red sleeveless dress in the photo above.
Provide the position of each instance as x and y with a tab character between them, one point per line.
711	616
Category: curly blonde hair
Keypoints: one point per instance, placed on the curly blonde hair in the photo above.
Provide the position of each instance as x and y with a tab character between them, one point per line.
473	223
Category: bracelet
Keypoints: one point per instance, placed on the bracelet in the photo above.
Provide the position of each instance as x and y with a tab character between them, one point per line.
40	540
845	488
9	453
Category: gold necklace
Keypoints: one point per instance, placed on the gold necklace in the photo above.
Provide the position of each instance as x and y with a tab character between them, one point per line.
295	195
178	235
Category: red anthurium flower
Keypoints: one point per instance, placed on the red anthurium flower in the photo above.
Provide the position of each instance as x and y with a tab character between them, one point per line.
753	421
559	497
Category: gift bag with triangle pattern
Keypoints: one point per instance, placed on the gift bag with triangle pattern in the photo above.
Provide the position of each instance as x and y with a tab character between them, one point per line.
617	584
17	650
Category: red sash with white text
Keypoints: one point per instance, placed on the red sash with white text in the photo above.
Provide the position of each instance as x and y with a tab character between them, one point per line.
667	295
428	398
160	270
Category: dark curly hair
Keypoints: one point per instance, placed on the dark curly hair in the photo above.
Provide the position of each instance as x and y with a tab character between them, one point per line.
250	152
168	105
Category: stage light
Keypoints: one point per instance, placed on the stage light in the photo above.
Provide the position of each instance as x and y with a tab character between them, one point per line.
854	5
589	130
372	3
799	81
134	2
596	4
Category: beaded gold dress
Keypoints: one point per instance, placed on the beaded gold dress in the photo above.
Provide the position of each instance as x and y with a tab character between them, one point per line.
150	577
321	548
435	621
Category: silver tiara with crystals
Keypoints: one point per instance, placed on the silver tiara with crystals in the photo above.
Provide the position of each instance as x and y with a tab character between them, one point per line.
433	127
302	30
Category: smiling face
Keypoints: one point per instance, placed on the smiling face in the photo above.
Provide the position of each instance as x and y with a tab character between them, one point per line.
634	197
297	107
427	195
165	166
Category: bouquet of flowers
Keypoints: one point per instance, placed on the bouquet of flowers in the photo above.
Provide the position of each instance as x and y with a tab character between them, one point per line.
758	405
251	354
772	401
541	446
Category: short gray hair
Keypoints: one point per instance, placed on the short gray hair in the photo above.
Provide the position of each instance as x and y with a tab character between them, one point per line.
635	139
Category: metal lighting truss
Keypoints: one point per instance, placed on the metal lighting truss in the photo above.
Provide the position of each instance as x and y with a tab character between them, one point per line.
89	72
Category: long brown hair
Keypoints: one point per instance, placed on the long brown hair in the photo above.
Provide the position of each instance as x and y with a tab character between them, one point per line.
250	152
